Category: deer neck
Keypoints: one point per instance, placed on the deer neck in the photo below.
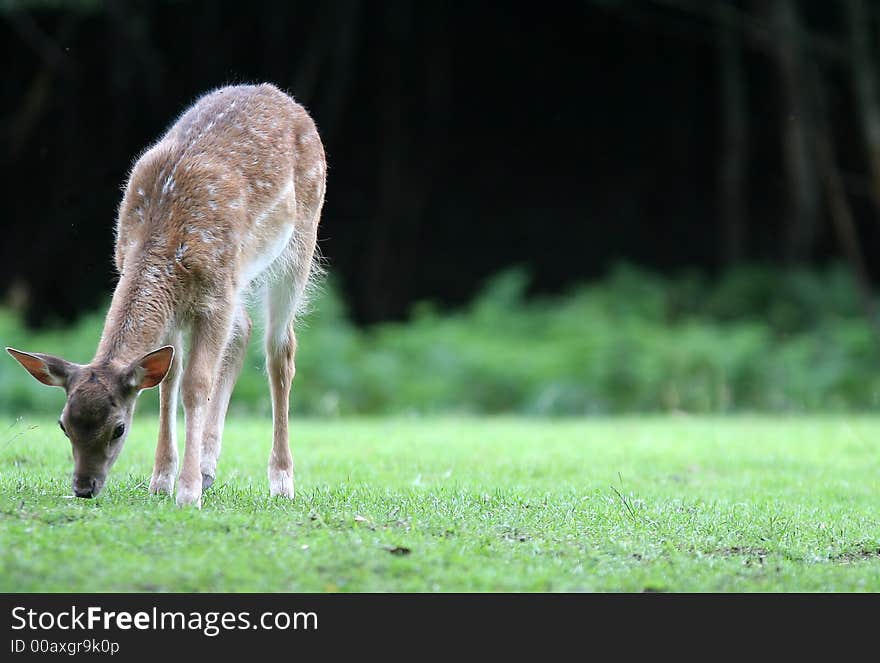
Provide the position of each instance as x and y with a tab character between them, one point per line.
139	317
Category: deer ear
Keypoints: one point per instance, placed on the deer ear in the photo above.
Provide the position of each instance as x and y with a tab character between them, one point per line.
151	369
48	369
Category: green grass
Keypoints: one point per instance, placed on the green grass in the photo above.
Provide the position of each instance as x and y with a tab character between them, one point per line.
460	504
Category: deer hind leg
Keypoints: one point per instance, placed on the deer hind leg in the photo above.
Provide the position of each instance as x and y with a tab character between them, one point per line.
210	334
165	467
280	364
230	367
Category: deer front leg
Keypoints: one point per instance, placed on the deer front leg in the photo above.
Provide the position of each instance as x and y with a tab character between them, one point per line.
165	467
209	337
230	367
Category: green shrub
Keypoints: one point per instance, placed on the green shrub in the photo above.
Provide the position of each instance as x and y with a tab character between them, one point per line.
755	338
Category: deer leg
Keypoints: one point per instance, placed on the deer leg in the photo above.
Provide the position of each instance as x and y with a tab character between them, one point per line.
209	338
230	367
165	467
280	353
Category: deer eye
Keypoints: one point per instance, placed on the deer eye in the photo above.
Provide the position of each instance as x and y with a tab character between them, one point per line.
118	431
61	426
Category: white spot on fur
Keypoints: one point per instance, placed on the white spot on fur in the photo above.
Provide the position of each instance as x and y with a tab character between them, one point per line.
152	274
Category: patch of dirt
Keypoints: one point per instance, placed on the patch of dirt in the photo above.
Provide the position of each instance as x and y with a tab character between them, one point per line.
58	519
750	554
741	550
398	550
856	556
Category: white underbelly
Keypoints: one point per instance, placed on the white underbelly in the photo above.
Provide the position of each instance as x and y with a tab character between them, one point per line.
269	236
265	255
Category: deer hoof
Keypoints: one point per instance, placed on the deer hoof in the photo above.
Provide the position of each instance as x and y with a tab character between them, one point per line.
280	483
189	497
162	484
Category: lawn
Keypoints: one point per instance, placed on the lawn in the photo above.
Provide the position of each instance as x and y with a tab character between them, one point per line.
675	503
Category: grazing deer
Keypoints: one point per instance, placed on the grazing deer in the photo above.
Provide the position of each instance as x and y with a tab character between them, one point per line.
226	205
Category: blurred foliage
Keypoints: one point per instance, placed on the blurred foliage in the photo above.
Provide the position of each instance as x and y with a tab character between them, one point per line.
753	339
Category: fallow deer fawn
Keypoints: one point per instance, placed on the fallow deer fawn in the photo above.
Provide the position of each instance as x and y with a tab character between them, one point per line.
224	206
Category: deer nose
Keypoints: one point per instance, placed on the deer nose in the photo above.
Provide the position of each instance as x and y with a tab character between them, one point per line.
84	487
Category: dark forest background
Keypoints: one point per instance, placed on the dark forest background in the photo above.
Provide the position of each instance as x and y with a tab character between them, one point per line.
569	208
463	137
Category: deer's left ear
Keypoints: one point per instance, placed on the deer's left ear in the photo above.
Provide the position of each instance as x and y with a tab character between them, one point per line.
151	369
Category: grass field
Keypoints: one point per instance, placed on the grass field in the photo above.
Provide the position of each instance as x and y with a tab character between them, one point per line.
630	504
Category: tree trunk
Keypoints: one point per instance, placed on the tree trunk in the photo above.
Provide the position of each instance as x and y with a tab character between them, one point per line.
864	80
732	181
838	204
802	201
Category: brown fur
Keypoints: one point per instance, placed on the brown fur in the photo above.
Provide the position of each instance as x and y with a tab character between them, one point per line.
226	204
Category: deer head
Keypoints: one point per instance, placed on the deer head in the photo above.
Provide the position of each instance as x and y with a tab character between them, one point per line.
99	407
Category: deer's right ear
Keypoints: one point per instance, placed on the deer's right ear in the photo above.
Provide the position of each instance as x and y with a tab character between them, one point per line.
48	369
